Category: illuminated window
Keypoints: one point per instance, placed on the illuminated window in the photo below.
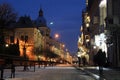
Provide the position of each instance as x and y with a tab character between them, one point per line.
88	29
26	38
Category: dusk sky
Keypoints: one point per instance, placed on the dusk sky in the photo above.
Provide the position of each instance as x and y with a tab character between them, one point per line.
65	15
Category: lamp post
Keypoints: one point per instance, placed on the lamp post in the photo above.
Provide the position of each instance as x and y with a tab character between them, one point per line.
79	59
24	52
39	61
24	55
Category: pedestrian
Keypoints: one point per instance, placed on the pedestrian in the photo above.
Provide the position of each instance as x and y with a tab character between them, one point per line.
101	60
2	71
84	61
12	71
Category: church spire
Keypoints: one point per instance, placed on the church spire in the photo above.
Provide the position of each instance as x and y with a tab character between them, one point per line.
40	12
41	21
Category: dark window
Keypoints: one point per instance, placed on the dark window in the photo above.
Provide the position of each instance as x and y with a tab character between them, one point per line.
26	38
22	38
42	32
110	21
88	29
2	41
11	39
47	34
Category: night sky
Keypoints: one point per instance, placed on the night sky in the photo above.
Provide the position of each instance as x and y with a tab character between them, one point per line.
64	14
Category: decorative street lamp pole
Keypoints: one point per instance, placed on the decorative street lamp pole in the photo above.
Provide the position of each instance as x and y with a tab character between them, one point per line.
24	53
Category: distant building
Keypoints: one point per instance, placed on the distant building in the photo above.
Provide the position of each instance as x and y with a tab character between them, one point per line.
41	25
100	29
27	35
92	28
34	39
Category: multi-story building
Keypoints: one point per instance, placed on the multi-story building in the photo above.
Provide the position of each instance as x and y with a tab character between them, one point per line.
84	39
93	27
90	28
101	23
29	37
113	31
34	39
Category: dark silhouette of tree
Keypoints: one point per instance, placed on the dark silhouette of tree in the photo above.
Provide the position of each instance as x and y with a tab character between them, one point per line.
50	54
7	15
25	21
7	19
13	49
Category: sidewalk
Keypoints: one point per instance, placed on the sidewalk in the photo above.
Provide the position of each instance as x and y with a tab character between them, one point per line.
20	73
108	74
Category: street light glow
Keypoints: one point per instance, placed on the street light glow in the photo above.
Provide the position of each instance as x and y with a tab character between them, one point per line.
6	45
63	45
56	36
51	23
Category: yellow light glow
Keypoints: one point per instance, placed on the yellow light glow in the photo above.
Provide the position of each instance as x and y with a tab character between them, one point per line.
87	24
56	35
63	45
88	18
103	3
81	29
94	47
6	45
87	40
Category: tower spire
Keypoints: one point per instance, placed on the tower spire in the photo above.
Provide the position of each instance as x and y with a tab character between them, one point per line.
40	21
40	11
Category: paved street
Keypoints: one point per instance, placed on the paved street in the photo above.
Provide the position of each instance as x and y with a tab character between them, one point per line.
108	73
59	72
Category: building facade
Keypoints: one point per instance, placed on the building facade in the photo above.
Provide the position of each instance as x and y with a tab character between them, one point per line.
29	37
113	29
34	39
101	23
90	28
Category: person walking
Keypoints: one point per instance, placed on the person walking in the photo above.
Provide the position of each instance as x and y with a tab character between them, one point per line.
100	60
2	71
84	60
12	71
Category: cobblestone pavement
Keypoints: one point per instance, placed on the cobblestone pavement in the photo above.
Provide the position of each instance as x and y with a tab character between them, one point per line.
59	72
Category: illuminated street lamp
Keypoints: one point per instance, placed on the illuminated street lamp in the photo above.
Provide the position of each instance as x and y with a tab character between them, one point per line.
63	45
6	45
56	36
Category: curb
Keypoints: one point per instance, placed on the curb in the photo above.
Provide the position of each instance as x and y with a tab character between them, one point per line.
95	76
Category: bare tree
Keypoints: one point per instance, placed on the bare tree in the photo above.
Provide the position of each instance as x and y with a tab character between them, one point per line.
7	15
7	19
